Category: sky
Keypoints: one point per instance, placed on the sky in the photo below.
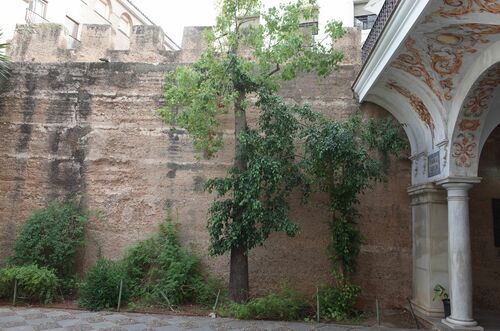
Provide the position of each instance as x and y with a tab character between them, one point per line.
174	15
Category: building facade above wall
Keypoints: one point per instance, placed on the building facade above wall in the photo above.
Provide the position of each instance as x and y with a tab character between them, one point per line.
120	15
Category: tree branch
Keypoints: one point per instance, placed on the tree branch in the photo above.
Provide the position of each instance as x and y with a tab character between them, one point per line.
275	70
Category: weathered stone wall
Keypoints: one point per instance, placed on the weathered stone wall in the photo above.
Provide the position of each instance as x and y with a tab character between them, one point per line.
485	256
91	128
49	43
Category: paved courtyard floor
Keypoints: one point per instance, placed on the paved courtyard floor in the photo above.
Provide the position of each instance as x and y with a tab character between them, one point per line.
36	319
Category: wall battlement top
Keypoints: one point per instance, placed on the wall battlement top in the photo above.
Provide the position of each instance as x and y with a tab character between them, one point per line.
49	42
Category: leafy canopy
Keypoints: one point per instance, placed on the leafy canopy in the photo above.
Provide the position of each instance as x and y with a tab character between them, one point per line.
248	58
261	191
245	62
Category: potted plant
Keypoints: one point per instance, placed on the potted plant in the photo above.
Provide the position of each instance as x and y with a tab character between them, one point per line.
440	293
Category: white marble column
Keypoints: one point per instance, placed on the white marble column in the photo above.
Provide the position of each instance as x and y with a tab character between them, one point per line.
459	252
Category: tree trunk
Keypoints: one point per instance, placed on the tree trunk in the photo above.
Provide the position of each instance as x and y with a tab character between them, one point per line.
238	273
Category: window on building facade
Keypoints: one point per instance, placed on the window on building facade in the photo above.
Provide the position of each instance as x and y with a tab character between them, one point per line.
365	22
496	221
310	27
103	8
125	24
72	27
39	7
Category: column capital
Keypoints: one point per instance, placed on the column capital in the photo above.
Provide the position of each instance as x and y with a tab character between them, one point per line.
459	183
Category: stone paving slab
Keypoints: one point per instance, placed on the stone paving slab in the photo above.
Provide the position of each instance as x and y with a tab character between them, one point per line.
41	319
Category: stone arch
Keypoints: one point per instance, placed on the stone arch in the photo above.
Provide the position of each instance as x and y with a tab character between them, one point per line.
476	118
433	105
418	134
482	63
411	132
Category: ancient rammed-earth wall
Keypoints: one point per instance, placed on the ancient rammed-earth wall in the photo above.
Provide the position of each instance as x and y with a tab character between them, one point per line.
91	128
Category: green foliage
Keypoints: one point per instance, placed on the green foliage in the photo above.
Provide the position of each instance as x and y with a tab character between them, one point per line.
439	293
33	283
337	302
345	243
51	238
4	60
159	268
155	271
242	61
341	160
284	305
101	287
259	192
279	50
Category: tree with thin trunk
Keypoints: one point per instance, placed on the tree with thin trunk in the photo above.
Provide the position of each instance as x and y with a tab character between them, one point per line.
250	50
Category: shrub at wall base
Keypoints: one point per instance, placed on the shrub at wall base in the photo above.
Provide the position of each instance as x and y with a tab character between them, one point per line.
34	284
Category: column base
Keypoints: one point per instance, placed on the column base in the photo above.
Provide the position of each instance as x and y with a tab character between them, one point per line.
422	311
461	325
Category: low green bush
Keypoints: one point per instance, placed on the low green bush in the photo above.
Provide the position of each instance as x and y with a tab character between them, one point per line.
338	302
161	272
283	305
101	287
33	283
51	238
155	272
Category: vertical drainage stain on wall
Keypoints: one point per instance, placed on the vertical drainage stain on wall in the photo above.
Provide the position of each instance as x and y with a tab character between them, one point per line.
68	138
29	105
21	161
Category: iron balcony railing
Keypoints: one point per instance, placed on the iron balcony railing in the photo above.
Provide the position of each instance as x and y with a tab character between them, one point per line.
34	18
378	27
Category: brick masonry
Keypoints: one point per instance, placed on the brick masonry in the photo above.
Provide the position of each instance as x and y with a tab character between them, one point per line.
91	128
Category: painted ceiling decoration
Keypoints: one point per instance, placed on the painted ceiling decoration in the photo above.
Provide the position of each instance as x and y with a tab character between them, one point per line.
458	8
444	51
474	109
416	103
411	62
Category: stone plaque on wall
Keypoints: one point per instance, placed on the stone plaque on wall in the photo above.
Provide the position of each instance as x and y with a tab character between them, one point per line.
434	164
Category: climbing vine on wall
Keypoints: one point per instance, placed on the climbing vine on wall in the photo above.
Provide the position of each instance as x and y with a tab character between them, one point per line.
343	159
